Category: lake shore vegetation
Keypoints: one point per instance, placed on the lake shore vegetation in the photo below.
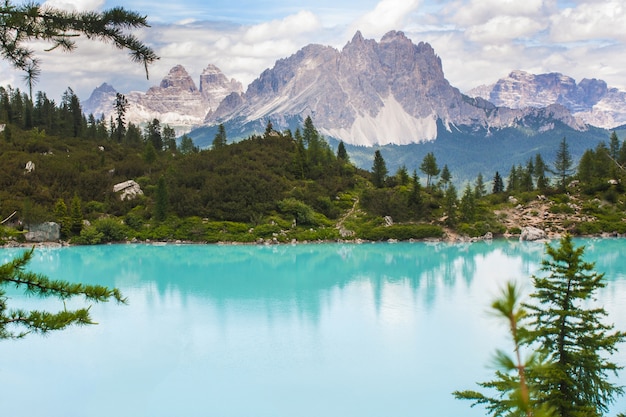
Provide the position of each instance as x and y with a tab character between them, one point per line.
60	165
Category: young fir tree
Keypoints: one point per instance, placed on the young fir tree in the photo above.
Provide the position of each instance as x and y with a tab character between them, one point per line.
563	163
479	189
342	154
379	170
498	184
76	215
446	177
17	323
539	173
570	330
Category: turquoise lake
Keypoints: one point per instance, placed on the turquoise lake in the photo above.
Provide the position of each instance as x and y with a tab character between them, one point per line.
320	330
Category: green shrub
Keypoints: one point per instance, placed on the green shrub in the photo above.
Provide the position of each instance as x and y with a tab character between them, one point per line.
112	229
88	236
303	213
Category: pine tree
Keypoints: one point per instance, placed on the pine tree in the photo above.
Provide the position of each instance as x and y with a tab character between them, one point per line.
446	176
539	174
379	170
563	163
467	206
219	141
450	200
402	175
17	323
121	106
76	215
573	335
342	154
614	146
61	217
429	167
498	184
415	198
479	189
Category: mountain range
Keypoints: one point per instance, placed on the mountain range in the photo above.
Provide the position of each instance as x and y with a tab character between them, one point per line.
390	95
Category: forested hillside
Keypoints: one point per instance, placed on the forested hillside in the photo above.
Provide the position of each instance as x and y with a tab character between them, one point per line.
59	165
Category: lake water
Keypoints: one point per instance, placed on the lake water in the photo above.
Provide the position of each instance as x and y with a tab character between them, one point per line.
329	330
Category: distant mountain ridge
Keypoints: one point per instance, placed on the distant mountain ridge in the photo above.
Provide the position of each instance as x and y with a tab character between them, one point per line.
175	101
390	95
591	100
369	93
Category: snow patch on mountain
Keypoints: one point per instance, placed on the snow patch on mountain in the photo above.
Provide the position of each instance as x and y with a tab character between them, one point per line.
392	125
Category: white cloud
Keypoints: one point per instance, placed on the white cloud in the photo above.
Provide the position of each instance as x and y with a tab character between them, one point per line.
588	21
387	15
75	5
477	12
302	22
503	29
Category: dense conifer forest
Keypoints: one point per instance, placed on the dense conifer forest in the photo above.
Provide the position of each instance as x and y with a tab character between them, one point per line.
60	165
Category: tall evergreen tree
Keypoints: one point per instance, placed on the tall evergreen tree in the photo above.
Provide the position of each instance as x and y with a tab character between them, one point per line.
219	141
539	174
415	198
121	106
498	184
563	163
479	189
467	206
342	154
450	202
379	170
429	167
573	335
446	176
614	146
76	215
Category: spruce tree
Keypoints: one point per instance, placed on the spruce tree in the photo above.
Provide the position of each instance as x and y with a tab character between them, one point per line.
17	323
498	184
539	174
379	170
563	163
342	154
479	189
571	332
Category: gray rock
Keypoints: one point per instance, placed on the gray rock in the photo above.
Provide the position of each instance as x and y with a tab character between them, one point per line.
128	190
44	232
531	234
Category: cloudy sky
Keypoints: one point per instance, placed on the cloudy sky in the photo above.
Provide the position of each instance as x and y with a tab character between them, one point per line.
478	41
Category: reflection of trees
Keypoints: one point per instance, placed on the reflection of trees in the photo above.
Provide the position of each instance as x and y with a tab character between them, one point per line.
297	277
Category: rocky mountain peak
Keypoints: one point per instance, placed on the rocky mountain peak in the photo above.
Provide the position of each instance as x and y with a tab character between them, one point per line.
179	78
591	100
215	86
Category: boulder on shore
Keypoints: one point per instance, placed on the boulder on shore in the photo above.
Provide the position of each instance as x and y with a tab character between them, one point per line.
531	233
44	232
